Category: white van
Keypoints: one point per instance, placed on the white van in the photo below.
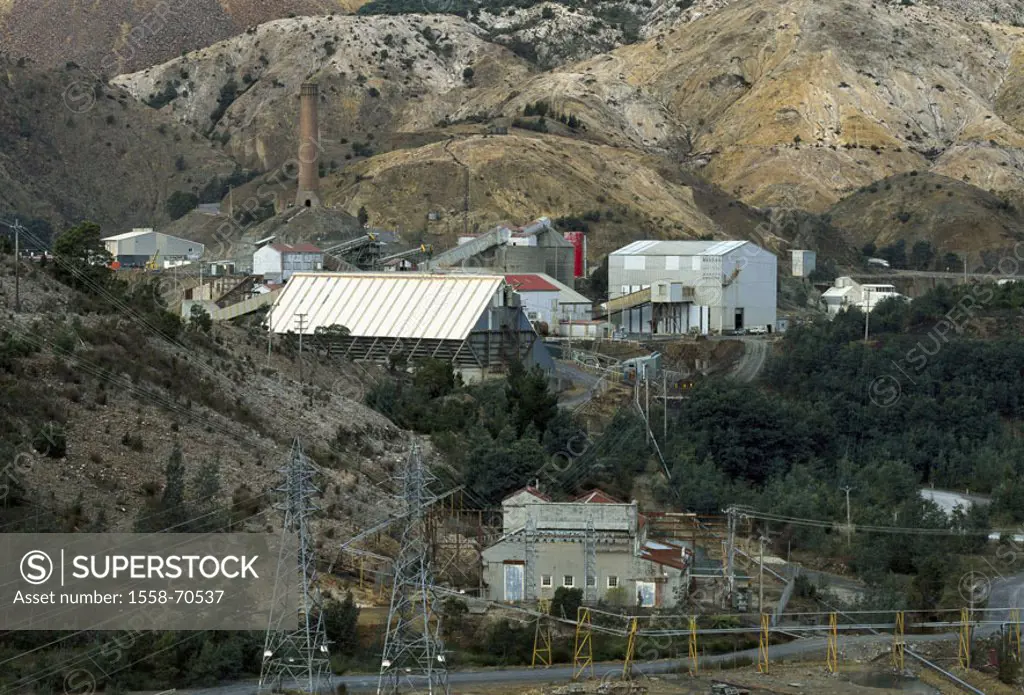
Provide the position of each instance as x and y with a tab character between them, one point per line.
758	330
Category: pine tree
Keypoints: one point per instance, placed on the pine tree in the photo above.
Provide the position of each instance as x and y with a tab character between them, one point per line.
170	510
206	492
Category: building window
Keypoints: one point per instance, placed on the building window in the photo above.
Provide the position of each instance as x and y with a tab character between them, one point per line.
567	581
591	581
545	580
613	582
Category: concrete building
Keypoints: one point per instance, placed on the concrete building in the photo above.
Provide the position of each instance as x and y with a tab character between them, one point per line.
804	263
534	248
594	543
277	262
678	287
847	292
136	248
548	301
475	321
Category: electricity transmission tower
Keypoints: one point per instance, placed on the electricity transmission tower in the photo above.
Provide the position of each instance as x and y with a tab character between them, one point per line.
412	647
295	654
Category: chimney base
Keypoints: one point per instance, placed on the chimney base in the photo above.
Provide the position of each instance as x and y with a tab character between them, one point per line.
307	199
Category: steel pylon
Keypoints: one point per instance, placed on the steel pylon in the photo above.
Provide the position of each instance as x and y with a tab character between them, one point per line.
295	654
413	650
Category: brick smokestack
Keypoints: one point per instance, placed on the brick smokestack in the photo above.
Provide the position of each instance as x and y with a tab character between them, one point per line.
309	147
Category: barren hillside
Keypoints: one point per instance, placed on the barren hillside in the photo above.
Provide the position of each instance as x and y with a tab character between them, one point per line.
121	389
72	148
950	214
121	35
378	76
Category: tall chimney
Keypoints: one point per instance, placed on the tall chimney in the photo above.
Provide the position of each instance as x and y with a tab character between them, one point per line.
309	147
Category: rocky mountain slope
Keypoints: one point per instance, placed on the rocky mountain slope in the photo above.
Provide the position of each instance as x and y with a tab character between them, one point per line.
123	35
791	103
380	77
72	148
120	389
949	214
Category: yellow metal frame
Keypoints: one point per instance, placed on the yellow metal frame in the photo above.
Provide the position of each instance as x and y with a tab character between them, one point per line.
583	654
627	666
762	645
694	659
964	646
542	639
832	654
898	644
1015	632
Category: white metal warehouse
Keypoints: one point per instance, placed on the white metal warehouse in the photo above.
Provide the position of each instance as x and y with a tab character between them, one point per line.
475	321
139	246
676	287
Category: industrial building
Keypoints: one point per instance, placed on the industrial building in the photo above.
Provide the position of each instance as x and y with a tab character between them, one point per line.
141	247
679	287
594	543
549	302
847	292
278	262
804	263
534	248
475	321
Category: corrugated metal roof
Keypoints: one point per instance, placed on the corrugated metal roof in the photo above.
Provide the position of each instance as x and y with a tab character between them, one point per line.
129	235
392	305
566	294
530	283
296	248
678	248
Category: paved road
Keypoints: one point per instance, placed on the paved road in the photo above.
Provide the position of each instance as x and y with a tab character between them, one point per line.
580	379
755	354
948	500
809	646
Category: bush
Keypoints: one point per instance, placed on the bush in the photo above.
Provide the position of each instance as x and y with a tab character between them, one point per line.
180	204
566	602
51	441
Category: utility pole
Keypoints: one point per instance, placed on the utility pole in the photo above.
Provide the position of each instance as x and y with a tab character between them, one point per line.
17	266
647	398
730	552
17	261
760	578
295	650
849	524
664	403
301	318
569	334
966	253
867	312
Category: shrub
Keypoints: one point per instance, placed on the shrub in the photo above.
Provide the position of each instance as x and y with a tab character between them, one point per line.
51	441
566	602
180	203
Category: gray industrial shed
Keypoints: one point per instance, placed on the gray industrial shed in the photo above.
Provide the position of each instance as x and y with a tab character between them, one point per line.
138	246
593	543
474	321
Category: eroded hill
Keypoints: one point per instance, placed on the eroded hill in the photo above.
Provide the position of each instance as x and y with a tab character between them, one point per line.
72	148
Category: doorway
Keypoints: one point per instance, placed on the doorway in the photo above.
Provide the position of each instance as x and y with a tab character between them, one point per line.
739	320
514	583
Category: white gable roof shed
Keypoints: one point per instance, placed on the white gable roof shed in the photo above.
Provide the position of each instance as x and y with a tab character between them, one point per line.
387	305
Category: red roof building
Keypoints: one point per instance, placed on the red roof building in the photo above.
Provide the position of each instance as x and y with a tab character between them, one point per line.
530	283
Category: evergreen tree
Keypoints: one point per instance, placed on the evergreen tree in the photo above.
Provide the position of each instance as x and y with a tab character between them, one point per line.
170	509
340	623
206	508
